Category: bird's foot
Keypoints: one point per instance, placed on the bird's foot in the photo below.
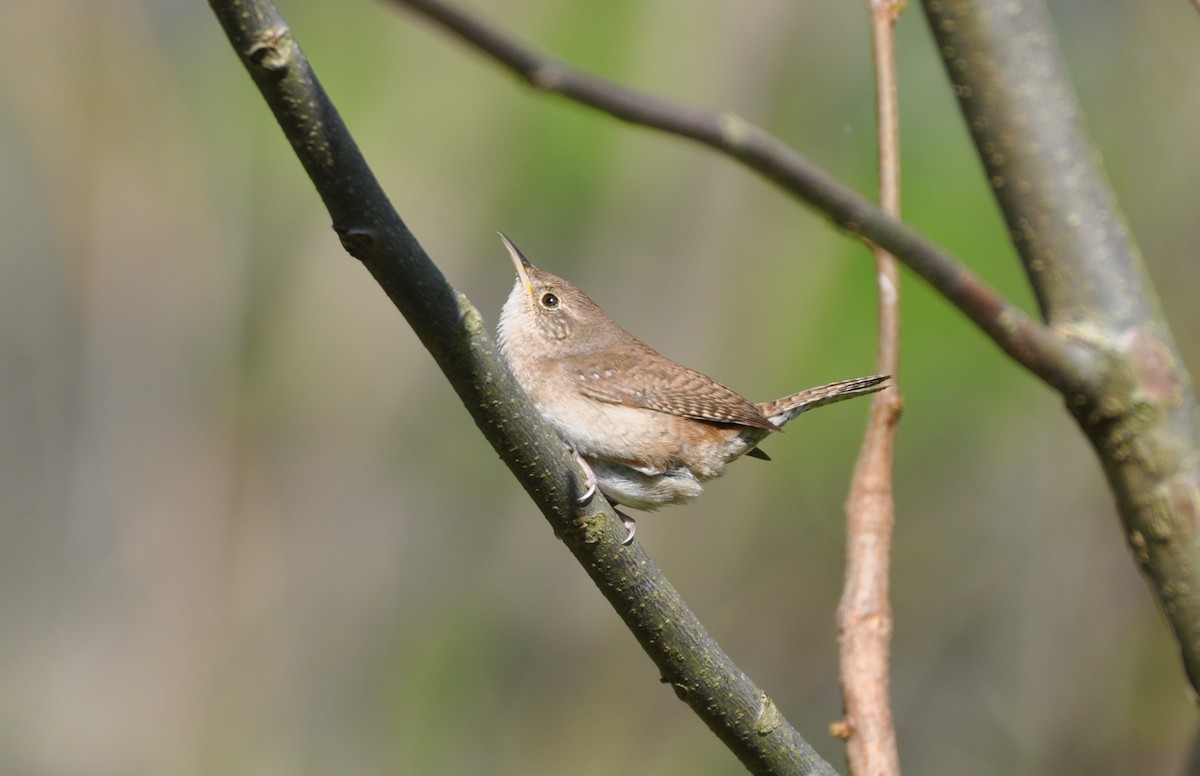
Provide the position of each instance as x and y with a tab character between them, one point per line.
591	482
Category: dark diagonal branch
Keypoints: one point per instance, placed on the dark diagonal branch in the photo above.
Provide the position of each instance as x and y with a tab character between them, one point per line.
865	611
739	713
1140	412
1053	358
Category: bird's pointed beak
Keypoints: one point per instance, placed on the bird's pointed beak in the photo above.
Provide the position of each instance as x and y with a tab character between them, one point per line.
519	261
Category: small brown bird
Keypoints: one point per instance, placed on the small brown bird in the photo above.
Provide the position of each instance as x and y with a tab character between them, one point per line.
646	430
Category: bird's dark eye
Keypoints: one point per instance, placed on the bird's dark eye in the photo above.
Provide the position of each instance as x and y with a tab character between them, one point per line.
549	301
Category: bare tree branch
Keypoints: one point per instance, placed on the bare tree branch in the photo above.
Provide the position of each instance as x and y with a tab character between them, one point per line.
1140	411
1057	360
741	715
865	611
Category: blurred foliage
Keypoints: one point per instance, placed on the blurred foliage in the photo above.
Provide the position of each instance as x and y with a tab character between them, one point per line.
246	528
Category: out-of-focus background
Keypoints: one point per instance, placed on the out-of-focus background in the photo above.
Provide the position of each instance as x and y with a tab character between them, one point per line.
246	528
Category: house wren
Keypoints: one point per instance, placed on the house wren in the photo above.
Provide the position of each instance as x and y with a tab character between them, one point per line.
648	431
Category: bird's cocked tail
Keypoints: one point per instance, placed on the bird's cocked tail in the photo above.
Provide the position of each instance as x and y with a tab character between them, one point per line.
783	410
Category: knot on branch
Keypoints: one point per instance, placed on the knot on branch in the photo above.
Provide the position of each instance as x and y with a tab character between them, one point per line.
545	77
272	53
735	130
1135	385
472	322
356	240
1171	514
769	718
1154	368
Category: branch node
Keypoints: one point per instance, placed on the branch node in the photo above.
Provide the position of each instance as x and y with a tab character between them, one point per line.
356	240
272	52
891	9
735	130
545	77
593	527
769	717
473	324
682	689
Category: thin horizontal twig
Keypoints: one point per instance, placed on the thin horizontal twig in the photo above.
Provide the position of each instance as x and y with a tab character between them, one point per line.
1059	361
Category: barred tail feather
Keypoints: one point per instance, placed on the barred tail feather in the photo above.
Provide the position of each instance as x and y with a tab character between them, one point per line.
783	410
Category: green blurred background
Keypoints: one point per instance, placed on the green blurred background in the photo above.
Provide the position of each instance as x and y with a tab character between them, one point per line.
247	528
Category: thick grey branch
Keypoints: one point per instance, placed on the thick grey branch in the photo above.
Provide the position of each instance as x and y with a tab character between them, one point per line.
1048	355
702	675
1140	410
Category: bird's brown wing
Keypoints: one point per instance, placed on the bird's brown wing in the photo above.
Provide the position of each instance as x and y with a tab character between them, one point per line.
651	381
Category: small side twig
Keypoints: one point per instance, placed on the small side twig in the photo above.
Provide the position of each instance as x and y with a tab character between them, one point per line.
1056	359
865	612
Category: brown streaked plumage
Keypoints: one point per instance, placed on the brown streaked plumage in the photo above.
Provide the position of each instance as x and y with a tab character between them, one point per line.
650	430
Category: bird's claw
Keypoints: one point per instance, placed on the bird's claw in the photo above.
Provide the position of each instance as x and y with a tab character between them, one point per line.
589	478
630	526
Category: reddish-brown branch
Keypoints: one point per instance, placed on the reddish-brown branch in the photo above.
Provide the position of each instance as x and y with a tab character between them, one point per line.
865	613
